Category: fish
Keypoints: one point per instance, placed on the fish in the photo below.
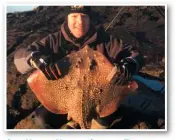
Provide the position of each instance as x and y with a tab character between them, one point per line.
84	90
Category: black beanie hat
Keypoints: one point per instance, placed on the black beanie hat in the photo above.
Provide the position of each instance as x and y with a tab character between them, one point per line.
80	9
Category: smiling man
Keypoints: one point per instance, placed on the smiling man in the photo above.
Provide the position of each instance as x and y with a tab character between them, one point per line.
78	24
77	32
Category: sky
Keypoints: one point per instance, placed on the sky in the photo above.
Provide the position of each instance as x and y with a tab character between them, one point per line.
11	9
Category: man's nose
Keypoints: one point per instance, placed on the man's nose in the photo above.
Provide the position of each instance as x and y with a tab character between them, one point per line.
80	19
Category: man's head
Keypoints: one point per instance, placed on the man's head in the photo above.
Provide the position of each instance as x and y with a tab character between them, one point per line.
79	20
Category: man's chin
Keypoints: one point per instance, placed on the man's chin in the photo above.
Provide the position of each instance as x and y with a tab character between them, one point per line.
79	35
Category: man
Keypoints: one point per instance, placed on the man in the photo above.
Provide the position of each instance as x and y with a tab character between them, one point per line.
76	32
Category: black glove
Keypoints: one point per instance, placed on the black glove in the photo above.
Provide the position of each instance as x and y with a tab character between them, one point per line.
127	69
45	64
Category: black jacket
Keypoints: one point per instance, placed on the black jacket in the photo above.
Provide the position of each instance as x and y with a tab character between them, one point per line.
62	43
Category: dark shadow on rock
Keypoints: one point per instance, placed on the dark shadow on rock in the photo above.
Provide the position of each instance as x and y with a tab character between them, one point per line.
14	116
17	96
47	117
131	117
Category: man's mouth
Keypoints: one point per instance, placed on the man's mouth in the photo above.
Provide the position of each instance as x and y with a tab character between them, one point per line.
79	28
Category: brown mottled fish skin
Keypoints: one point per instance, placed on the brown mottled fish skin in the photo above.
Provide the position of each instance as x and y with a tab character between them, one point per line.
83	90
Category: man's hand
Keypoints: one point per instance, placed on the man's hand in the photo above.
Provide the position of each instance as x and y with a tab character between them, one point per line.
44	63
127	69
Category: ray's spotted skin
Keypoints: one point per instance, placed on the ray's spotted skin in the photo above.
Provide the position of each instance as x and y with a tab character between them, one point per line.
83	92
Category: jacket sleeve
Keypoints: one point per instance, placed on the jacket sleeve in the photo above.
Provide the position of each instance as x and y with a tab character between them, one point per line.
117	51
23	55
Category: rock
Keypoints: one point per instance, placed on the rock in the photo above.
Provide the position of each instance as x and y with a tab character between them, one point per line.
141	125
161	123
32	123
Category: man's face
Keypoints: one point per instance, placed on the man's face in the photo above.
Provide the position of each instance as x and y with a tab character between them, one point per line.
78	24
